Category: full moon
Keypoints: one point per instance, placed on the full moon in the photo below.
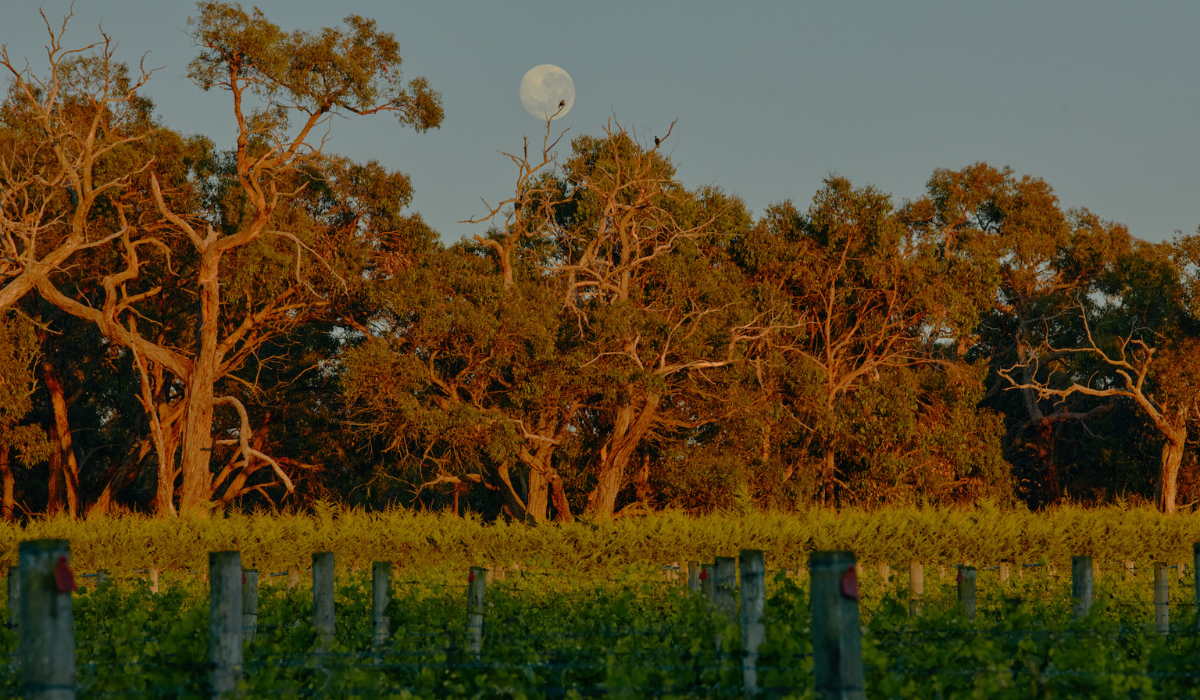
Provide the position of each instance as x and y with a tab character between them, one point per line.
543	87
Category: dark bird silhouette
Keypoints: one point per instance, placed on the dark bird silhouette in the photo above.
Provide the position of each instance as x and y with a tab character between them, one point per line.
562	103
73	197
657	141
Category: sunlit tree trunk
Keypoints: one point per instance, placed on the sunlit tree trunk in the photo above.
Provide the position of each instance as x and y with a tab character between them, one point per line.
64	474
631	424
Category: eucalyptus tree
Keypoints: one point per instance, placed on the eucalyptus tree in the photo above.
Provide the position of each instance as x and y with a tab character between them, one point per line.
259	251
1140	345
18	357
1029	261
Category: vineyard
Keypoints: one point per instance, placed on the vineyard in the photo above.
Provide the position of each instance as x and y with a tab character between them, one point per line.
620	620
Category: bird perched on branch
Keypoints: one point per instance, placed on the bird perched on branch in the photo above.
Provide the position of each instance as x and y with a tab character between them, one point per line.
562	103
657	141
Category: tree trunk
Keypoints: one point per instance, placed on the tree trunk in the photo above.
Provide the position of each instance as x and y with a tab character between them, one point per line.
64	477
538	502
629	427
641	481
828	466
1168	482
196	490
6	475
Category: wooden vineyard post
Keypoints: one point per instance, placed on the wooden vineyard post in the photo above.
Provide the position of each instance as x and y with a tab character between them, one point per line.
14	597
724	584
884	572
1162	618
249	604
153	580
966	591
46	646
476	591
916	587
1082	583
101	578
706	582
1128	569
694	576
323	614
837	637
225	621
1196	579
754	595
1004	571
381	595
293	577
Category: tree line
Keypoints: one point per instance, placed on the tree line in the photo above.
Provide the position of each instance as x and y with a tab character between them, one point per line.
185	329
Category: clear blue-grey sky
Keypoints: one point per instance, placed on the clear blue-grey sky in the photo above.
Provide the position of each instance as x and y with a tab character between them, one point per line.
1098	98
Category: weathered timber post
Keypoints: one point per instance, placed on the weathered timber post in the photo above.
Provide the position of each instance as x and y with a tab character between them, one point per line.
381	595
694	576
1129	569
724	585
837	641
1162	618
916	587
1004	572
249	604
1082	584
323	613
476	591
225	621
1196	579
966	591
101	578
884	572
153	580
14	597
293	577
46	623
706	582
754	596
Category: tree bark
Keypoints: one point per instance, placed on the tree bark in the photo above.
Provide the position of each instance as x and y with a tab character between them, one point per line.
196	490
64	471
538	501
6	476
629	427
1168	481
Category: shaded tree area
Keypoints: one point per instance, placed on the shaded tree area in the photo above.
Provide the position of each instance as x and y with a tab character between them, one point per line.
187	326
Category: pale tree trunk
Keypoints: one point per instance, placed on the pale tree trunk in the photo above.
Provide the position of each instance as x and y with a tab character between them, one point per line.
64	476
641	481
6	476
196	490
629	427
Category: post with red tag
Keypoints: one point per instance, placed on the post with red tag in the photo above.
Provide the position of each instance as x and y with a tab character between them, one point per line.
966	591
706	582
837	638
753	595
47	626
694	576
225	621
476	590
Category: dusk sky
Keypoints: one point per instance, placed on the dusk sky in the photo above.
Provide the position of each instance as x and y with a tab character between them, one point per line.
1099	98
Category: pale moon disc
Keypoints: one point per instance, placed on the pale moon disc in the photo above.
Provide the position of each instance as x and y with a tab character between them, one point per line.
543	87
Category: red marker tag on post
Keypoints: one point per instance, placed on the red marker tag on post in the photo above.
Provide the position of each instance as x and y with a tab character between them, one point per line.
471	577
959	579
850	583
64	578
703	574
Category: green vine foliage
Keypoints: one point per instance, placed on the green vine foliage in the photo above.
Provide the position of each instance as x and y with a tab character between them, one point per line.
632	634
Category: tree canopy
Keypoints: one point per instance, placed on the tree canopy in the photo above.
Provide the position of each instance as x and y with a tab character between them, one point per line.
188	326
